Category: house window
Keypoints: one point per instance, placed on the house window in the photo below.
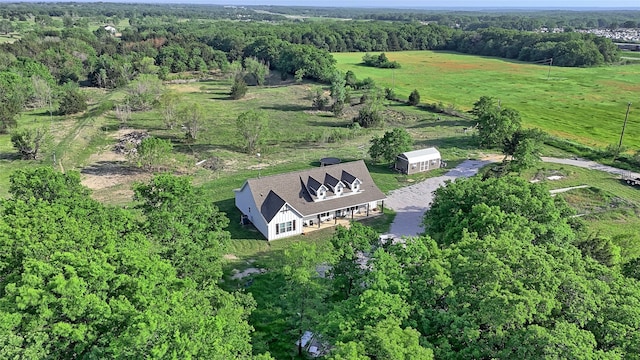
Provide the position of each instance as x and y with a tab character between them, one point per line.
285	227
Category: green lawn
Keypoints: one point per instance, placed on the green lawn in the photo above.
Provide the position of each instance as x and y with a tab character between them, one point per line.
583	104
609	207
631	54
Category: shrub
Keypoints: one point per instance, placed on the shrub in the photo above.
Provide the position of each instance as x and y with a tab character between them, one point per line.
239	88
72	101
414	98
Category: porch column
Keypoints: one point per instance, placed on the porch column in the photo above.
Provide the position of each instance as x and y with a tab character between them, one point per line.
318	221
335	217
367	209
382	207
352	210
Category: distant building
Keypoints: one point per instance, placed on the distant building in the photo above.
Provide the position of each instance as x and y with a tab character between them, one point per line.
418	161
110	29
284	205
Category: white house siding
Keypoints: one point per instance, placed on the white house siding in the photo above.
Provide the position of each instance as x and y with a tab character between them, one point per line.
285	214
244	202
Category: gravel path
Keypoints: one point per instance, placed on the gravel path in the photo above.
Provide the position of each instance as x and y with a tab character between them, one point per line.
558	191
412	201
587	164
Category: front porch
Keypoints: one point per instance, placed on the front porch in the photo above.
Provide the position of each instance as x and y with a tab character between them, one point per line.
343	219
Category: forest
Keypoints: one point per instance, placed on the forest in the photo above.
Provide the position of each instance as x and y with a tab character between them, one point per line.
503	269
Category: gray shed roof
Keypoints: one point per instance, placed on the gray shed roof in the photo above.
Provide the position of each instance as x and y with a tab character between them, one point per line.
421	155
270	192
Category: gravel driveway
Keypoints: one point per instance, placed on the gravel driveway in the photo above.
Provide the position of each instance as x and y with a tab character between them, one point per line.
412	201
587	164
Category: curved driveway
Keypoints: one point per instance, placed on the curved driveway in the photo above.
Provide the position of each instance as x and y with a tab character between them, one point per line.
411	202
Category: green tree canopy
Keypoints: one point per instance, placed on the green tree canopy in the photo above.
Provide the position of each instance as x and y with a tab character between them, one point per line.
390	145
80	280
251	126
496	124
495	205
188	228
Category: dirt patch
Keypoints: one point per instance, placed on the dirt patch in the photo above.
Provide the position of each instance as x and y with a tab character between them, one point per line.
229	257
107	168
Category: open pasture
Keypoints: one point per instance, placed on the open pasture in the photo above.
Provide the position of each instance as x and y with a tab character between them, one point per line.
587	105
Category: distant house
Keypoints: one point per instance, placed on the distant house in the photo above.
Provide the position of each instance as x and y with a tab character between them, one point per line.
110	29
418	161
284	205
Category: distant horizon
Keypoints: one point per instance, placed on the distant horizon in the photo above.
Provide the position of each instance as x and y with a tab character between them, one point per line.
584	5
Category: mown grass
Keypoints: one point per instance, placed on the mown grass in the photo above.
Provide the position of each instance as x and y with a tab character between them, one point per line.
631	54
609	207
583	104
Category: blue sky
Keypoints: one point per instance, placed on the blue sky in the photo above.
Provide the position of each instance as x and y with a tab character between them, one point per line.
439	3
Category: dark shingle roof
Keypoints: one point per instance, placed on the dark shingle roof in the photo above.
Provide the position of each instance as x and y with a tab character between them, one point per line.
313	184
330	180
271	205
348	178
291	188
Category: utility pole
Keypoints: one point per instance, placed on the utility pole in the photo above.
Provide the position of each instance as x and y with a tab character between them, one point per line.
623	127
550	63
393	78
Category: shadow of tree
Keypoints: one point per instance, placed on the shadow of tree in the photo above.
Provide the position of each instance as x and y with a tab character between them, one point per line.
286	107
102	168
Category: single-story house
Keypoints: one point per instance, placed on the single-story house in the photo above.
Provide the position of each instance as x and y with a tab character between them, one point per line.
418	161
283	205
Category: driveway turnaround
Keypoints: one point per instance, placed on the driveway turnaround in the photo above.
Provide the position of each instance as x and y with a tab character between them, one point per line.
412	201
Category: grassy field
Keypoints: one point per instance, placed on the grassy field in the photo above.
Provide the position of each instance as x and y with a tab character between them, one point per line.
609	206
583	104
298	137
631	54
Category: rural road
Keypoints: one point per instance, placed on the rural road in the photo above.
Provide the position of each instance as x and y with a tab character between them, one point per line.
411	202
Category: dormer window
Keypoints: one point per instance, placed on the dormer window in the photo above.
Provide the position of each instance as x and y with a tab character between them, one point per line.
338	189
321	193
355	187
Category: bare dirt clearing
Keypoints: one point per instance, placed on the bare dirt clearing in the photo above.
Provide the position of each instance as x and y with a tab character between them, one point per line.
108	169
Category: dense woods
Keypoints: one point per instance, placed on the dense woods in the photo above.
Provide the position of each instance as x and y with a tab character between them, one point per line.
81	280
154	43
503	270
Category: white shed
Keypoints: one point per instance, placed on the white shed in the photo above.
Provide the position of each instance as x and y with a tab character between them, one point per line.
418	161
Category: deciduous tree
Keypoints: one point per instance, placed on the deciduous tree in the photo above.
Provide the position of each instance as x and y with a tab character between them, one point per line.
29	142
390	145
152	153
496	124
251	126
